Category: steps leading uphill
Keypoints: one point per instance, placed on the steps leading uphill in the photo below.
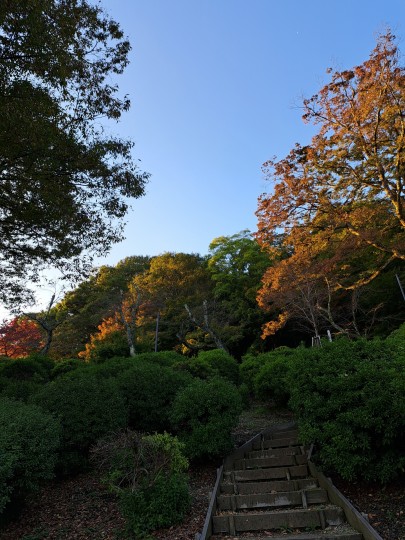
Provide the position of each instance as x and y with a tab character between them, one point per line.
267	491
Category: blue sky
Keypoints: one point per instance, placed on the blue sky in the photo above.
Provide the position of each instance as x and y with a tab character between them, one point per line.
216	88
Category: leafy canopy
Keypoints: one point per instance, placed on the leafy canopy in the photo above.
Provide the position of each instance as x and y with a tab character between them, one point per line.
64	182
339	201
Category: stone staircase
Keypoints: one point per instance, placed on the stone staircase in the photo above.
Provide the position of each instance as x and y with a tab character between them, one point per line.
267	491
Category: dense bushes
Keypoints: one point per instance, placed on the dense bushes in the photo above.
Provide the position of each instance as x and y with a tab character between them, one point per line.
29	440
272	379
267	375
148	474
87	407
21	378
204	414
149	391
348	397
213	363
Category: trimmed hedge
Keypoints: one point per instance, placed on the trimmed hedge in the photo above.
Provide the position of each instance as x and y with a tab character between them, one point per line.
213	363
271	381
204	414
348	398
87	407
149	391
29	441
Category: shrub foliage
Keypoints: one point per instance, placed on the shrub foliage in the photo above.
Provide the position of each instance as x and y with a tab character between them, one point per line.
204	414
29	441
348	398
148	474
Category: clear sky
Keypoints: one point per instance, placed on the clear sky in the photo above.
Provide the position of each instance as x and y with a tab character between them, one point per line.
216	88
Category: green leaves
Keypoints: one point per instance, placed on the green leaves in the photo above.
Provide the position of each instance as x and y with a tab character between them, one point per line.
64	183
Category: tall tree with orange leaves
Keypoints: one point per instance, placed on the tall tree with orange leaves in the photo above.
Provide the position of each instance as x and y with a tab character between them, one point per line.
339	202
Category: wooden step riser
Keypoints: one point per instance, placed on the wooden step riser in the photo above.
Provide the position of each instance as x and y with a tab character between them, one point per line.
267	462
268	487
278	473
302	536
298	519
291	434
275	443
271	500
276	452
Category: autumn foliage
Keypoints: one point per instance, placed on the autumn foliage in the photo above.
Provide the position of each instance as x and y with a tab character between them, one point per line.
339	201
20	337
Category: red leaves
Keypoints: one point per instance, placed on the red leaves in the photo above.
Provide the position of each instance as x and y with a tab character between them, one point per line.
19	337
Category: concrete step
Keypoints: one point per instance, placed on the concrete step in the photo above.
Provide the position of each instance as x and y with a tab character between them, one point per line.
245	488
278	520
272	500
276	473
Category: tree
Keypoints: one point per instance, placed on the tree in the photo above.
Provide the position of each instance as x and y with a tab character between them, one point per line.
94	300
64	183
236	264
19	337
339	202
172	280
49	320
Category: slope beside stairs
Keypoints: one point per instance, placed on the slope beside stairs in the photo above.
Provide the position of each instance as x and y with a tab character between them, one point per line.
269	488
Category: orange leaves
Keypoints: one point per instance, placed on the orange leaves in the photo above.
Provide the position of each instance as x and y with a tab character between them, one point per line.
271	327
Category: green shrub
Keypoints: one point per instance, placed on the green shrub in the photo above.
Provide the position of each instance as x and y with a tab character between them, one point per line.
348	398
203	414
29	440
88	408
272	380
149	390
222	363
18	390
196	367
249	369
65	366
163	504
148	474
114	345
27	369
163	358
245	395
111	367
214	363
